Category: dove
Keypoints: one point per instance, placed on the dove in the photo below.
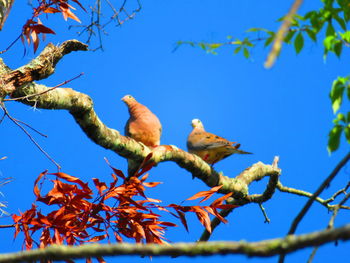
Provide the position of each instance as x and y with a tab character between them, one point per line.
143	125
210	147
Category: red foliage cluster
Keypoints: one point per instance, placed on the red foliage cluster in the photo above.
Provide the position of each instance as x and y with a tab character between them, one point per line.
33	27
118	211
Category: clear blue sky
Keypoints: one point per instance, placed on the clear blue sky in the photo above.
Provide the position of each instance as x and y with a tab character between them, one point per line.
283	111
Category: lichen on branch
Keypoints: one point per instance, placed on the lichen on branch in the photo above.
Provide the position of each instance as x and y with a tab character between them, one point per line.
20	84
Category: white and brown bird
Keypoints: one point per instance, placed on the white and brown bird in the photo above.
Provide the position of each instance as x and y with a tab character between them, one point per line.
143	125
210	147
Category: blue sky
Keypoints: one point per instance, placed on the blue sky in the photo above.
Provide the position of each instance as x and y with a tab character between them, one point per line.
283	111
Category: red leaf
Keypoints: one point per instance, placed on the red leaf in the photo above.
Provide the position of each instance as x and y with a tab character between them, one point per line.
76	1
51	10
206	194
221	199
151	184
203	217
42	29
36	188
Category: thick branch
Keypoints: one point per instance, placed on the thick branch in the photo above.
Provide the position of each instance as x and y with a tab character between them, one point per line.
265	248
41	67
19	83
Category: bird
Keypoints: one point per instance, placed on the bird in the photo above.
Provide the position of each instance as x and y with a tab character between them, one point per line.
210	147
143	125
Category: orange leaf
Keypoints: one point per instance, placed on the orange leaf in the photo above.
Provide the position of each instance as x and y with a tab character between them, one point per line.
36	188
203	217
205	194
51	10
151	184
221	199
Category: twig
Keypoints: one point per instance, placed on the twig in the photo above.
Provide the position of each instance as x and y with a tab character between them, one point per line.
331	221
325	184
45	91
30	127
313	253
323	202
267	220
336	210
277	44
30	137
335	195
7	226
308	204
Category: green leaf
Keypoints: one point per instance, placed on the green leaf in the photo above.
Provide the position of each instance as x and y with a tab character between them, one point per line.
348	91
336	94
237	49
215	45
246	53
269	40
311	34
340	21
328	42
345	36
203	46
334	138
341	117
330	30
298	42
256	29
347	133
338	46
289	36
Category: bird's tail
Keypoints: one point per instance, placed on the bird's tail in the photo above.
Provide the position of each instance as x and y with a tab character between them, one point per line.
236	150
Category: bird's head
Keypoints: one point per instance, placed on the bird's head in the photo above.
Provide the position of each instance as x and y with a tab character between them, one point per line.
196	123
128	99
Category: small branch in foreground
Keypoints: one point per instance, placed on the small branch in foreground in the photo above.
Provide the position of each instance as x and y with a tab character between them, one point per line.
265	248
277	44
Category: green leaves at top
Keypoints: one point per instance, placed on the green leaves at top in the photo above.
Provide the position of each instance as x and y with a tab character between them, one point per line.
299	42
341	121
336	94
334	138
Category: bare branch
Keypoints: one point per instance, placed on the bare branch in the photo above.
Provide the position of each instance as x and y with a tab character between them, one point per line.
324	184
39	68
265	248
30	137
277	44
5	8
324	202
308	204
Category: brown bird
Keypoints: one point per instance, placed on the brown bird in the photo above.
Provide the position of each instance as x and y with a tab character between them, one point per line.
210	147
143	126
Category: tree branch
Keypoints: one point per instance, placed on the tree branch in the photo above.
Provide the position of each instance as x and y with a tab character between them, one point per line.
5	7
277	44
325	184
39	68
266	248
324	202
20	84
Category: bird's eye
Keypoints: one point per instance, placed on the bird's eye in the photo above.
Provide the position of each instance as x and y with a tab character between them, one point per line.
129	97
